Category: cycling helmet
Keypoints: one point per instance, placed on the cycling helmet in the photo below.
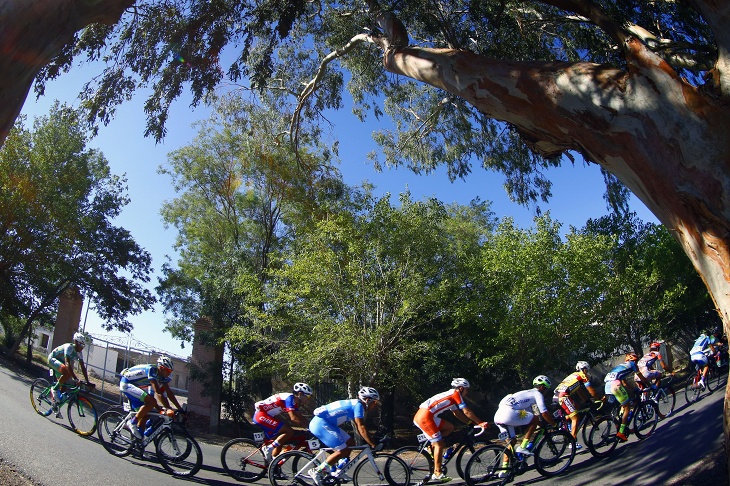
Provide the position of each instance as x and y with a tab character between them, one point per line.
457	382
80	338
165	362
715	331
582	365
542	380
367	392
632	357
303	388
655	346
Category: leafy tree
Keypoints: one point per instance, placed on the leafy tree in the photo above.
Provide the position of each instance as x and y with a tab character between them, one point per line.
57	202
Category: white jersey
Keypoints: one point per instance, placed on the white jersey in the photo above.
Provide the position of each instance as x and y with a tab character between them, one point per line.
524	400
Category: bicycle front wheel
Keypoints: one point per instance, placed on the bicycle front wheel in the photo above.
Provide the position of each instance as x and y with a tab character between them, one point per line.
392	470
40	397
555	453
112	434
665	400
602	438
645	419
179	453
419	462
713	377
692	390
82	415
490	465
465	454
292	469
243	460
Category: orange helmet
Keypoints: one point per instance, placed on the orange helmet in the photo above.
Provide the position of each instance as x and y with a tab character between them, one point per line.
632	357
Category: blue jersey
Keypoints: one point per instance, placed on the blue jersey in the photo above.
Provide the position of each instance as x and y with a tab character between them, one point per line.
341	411
141	375
621	371
702	344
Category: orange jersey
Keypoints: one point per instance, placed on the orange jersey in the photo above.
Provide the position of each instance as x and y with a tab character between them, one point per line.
448	400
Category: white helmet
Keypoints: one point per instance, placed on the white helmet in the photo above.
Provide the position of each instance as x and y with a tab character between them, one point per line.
457	382
303	388
367	392
165	362
80	338
582	365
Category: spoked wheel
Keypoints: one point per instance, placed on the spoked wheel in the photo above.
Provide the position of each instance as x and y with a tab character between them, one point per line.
82	415
419	462
646	417
179	453
487	466
665	401
692	389
243	460
291	469
555	453
465	454
602	438
40	397
713	377
112	434
395	472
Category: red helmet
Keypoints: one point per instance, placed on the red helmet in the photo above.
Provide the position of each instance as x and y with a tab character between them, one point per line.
655	346
632	357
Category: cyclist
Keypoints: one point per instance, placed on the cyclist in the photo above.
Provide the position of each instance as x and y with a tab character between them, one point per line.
574	393
325	425
61	360
267	411
704	346
647	362
155	378
429	421
617	385
516	410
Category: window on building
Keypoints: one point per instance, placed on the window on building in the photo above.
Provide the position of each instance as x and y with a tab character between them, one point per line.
44	340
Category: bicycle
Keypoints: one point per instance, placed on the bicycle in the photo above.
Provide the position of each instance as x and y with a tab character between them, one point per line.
420	460
80	411
371	468
243	459
663	396
588	417
602	440
177	451
693	389
497	464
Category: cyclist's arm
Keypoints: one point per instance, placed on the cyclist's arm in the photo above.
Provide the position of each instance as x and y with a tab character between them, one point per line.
168	396
70	366
548	418
467	416
592	391
83	369
363	431
296	418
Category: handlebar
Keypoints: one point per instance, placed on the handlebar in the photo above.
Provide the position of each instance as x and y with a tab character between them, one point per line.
482	428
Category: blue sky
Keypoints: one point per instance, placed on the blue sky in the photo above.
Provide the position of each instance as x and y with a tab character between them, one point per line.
577	190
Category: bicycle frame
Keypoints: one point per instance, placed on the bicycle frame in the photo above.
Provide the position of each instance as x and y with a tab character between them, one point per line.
321	456
142	443
466	440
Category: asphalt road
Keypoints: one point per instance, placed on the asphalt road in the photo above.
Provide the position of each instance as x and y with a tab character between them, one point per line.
47	451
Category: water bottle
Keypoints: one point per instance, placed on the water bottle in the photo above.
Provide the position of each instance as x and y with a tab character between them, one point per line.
150	428
448	452
342	463
61	396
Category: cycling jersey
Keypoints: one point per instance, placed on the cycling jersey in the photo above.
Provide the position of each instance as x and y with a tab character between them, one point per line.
572	392
66	351
524	400
427	417
702	345
141	375
649	359
327	419
621	372
276	404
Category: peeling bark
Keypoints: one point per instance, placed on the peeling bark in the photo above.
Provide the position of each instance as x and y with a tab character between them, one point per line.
32	33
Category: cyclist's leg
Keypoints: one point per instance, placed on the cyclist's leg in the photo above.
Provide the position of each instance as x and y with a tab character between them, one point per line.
274	429
435	429
570	412
57	368
332	437
622	396
139	400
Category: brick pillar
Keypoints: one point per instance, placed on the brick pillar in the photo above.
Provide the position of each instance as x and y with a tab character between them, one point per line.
69	316
208	359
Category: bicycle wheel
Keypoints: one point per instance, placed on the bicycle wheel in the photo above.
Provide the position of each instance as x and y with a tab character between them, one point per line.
692	390
112	434
393	470
645	419
40	397
487	466
179	453
243	460
665	400
602	438
291	469
713	377
465	454
555	453
82	415
419	462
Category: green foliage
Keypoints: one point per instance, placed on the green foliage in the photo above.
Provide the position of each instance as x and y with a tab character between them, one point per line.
57	201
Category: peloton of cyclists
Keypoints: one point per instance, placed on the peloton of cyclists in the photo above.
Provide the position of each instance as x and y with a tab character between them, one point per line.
266	417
